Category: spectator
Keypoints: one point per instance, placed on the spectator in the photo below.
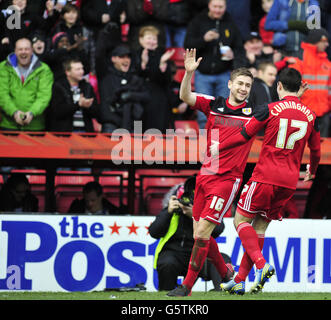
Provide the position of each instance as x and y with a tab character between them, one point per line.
16	196
210	32
123	94
93	202
315	68
240	11
62	51
174	227
95	16
23	106
29	21
287	18
267	36
73	104
253	54
261	91
151	62
39	45
141	13
70	24
178	15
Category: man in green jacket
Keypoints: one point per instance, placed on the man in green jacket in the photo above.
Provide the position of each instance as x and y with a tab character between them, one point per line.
25	89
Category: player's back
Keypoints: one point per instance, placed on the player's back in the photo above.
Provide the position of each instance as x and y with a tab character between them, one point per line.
288	127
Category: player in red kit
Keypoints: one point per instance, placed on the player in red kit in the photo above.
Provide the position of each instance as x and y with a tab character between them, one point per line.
219	178
288	125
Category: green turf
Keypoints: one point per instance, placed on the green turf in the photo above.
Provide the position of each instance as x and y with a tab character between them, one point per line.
114	295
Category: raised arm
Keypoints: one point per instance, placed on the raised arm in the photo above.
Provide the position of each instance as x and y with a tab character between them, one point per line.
191	64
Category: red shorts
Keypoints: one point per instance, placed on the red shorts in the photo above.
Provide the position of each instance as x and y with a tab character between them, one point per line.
264	199
213	196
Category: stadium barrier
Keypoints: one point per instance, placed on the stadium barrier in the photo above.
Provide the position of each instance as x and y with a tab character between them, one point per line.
92	253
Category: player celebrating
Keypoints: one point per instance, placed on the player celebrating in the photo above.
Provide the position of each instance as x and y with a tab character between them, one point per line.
219	179
289	125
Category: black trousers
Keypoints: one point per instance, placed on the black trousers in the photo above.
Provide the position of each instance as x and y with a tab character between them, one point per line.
172	264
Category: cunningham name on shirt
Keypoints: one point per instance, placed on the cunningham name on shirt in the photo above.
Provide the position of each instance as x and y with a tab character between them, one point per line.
279	107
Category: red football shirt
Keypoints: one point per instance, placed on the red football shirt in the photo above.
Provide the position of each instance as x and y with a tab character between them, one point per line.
289	125
223	121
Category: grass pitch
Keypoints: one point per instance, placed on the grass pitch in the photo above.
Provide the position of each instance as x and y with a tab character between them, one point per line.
116	295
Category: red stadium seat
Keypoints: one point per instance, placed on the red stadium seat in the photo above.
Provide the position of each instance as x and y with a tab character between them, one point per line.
188	126
178	56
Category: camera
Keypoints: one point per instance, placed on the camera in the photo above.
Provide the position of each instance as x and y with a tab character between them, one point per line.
185	194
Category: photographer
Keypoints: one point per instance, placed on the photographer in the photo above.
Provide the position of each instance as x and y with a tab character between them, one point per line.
174	227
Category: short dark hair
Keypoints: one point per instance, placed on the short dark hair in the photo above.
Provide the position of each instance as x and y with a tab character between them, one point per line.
290	79
67	63
241	72
264	64
93	186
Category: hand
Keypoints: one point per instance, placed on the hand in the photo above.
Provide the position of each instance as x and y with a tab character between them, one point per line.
251	57
164	58
5	40
214	148
190	62
308	175
229	55
49	6
79	40
19	117
105	18
211	35
303	88
182	108
173	204
167	55
85	103
144	59
187	210
28	116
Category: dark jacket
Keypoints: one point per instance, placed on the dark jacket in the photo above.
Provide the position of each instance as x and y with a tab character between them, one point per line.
62	108
92	11
158	111
182	239
78	206
123	98
9	204
76	29
261	93
210	51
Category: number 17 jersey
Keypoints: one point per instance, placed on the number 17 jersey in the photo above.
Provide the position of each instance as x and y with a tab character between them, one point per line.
289	125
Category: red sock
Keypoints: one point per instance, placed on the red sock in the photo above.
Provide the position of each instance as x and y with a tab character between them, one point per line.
216	257
246	263
198	257
250	242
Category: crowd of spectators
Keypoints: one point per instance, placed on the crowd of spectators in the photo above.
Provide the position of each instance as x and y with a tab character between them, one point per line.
66	64
125	49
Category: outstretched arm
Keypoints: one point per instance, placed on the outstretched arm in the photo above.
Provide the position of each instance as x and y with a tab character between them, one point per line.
191	64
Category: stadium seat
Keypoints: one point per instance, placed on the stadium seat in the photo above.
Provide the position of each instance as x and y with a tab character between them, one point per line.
188	126
178	56
68	187
178	77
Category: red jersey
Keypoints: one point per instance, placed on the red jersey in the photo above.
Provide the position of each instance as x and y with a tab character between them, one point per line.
289	125
223	121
